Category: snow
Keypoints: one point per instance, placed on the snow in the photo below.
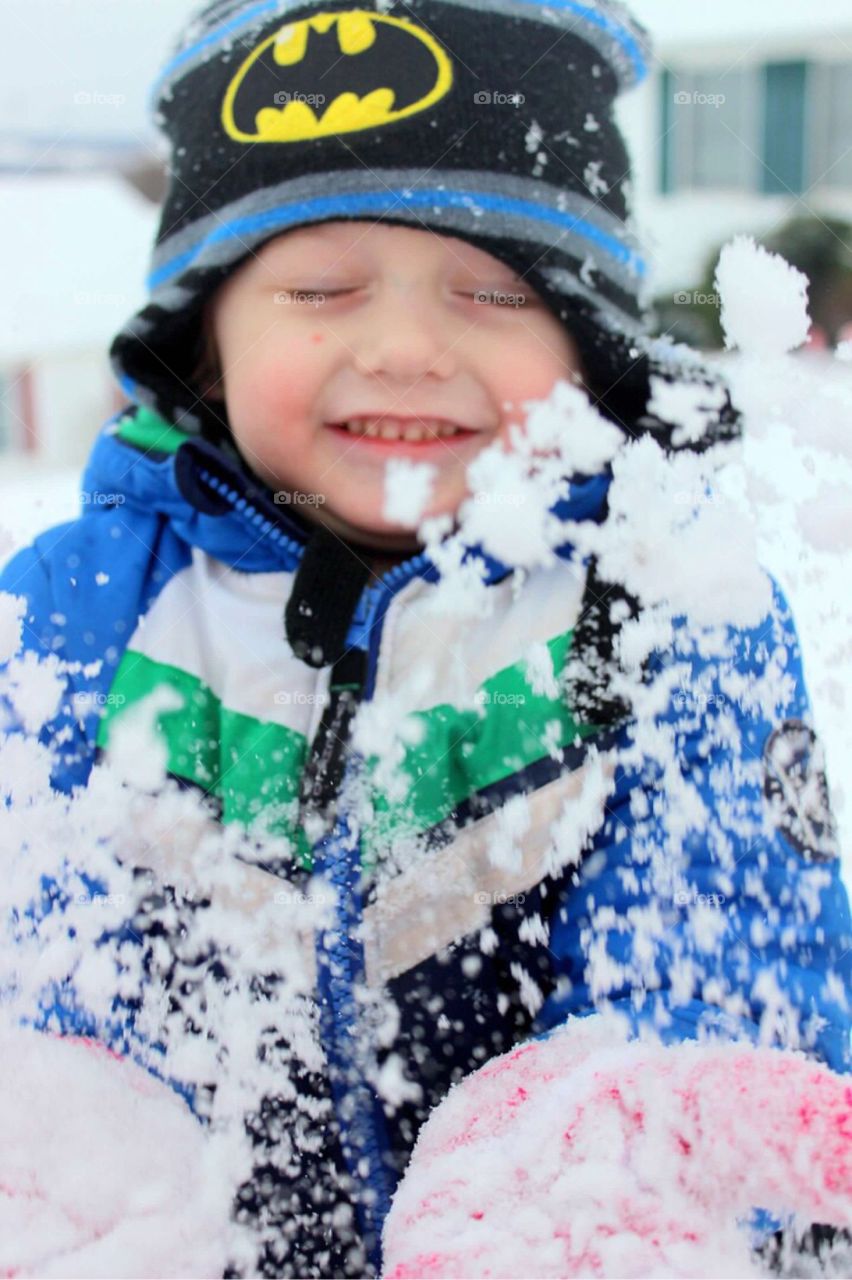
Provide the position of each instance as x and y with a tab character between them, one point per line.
582	1156
146	1197
698	555
685	534
764	299
35	496
73	240
56	299
186	1175
408	489
12	610
86	53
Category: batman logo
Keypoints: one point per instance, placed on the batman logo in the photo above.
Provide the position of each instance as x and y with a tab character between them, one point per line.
335	73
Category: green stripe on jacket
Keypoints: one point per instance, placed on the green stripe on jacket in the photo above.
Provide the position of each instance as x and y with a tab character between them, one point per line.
254	767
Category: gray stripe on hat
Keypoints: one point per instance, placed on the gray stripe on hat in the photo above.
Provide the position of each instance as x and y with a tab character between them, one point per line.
204	245
605	24
612	316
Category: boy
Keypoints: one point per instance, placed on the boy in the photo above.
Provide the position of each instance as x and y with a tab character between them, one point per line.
329	292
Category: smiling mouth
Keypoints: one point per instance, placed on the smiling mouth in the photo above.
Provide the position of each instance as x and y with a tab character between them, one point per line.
390	430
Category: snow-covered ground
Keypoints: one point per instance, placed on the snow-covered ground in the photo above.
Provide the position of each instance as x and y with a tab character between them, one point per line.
33	497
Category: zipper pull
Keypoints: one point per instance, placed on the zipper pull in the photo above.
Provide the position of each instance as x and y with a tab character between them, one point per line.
325	594
326	763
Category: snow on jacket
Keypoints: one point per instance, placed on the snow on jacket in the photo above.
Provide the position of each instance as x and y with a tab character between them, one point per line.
177	572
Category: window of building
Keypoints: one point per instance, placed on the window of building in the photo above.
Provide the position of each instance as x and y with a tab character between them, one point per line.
786	90
776	129
829	160
710	127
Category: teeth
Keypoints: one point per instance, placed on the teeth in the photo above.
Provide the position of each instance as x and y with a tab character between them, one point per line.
396	429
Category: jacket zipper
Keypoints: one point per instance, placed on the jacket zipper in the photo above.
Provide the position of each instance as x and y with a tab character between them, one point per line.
353	679
340	957
252	514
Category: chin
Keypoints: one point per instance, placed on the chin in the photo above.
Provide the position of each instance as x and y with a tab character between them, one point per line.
359	526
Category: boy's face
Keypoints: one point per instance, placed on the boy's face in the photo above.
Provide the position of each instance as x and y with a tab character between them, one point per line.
349	322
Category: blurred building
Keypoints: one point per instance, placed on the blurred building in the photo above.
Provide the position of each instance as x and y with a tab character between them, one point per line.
745	122
79	227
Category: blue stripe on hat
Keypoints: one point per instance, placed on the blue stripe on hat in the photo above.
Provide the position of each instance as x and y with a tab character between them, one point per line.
612	28
213	37
607	24
307	211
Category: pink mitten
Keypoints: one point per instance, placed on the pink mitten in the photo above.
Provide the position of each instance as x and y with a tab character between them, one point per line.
583	1155
102	1169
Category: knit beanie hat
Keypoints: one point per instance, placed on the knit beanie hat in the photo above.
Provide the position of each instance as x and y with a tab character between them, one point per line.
490	120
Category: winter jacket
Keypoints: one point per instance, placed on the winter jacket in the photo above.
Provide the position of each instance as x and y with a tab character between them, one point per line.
178	572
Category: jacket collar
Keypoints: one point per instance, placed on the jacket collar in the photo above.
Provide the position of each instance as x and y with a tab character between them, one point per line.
215	502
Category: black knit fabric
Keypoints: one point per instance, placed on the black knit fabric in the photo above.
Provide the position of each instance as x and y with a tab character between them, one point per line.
491	120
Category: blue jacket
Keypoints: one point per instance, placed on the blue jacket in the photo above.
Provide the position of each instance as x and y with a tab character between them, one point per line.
738	922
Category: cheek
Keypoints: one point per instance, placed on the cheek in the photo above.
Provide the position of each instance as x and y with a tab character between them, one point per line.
282	381
528	373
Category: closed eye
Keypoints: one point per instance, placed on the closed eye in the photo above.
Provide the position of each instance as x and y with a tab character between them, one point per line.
507	297
309	293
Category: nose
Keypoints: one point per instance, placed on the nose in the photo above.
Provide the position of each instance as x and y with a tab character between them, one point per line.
403	337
